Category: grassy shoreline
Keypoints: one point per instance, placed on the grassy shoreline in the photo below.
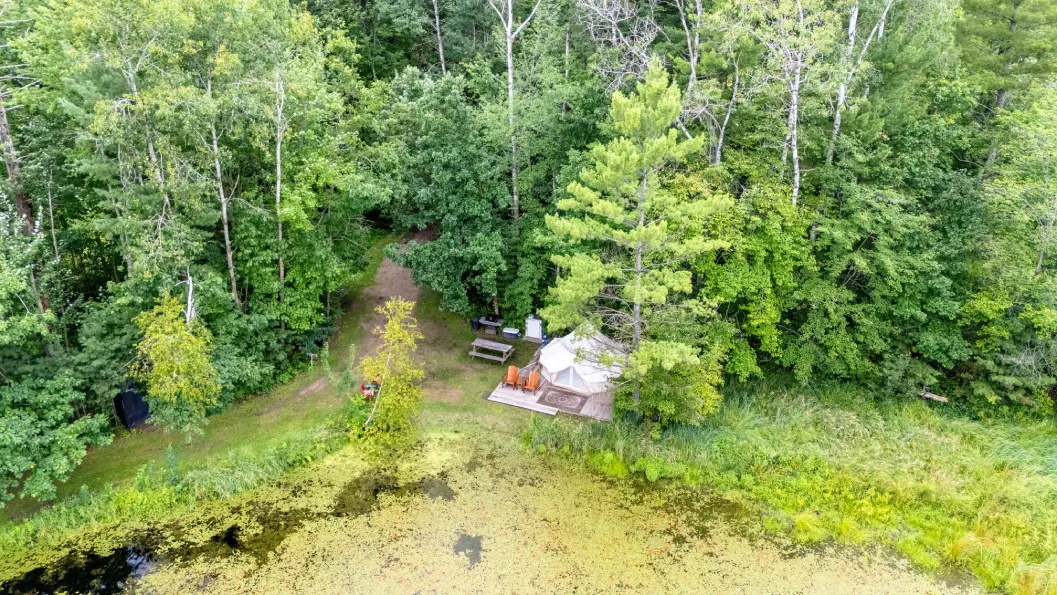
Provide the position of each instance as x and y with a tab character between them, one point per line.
828	465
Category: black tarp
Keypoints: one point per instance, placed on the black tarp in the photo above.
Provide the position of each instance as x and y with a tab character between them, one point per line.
131	409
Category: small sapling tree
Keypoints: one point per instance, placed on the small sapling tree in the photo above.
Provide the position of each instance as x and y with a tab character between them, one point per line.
399	395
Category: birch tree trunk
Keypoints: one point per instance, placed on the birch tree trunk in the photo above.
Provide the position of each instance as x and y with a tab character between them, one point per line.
794	122
693	38
511	34
218	171
718	154
440	38
189	311
224	214
280	130
510	120
22	203
853	68
51	219
14	173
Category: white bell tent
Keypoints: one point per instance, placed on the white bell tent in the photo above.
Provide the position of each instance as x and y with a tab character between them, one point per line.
572	363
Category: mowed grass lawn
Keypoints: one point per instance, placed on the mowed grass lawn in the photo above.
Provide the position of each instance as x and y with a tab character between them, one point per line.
253	424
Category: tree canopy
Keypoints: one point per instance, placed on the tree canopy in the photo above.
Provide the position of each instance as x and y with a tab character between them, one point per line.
852	190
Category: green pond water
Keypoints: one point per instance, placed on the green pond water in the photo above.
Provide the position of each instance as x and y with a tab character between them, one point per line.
467	513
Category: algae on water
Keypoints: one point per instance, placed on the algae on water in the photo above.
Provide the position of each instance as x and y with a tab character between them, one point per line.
476	513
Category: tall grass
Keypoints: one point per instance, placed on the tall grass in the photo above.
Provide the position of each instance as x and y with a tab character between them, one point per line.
940	487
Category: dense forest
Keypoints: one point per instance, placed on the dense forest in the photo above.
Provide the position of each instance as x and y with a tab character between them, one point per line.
859	190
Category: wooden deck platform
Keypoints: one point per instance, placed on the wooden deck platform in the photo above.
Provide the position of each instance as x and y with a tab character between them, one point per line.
519	398
551	400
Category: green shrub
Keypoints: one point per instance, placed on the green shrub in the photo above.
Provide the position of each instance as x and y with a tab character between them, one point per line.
608	463
1034	579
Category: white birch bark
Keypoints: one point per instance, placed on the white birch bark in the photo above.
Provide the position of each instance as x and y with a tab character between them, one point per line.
280	130
794	120
51	219
693	37
14	176
440	37
214	149
718	154
853	67
505	11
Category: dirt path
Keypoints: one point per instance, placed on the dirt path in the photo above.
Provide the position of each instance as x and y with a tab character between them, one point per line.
391	281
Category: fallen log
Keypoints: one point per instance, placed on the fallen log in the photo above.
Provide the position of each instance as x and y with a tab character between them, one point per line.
930	395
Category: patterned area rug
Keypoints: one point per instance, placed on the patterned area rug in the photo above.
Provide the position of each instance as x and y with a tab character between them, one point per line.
565	400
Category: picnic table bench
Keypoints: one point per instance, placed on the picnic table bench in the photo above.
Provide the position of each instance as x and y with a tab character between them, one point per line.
504	350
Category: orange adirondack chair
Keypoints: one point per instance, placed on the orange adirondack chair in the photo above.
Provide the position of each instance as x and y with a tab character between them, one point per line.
511	377
533	382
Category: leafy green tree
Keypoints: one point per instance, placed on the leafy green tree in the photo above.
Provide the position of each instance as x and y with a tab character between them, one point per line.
42	439
448	181
1009	319
21	319
399	396
636	235
182	383
1007	45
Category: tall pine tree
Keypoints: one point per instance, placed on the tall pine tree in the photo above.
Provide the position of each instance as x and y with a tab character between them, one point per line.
636	237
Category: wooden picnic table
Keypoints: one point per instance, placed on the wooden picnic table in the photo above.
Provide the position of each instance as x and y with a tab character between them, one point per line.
504	350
